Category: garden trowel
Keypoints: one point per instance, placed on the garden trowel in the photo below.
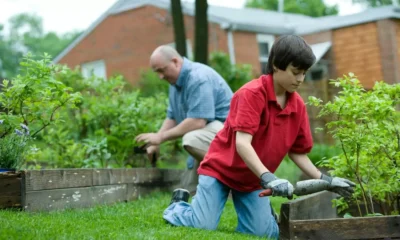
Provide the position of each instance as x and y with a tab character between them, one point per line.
303	188
142	150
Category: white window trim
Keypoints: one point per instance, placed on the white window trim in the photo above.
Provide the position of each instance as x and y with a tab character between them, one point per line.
100	73
264	38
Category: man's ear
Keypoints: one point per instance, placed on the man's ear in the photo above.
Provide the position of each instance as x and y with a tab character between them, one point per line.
175	61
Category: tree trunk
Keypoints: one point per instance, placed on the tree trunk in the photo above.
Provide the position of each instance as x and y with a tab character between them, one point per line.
179	27
201	32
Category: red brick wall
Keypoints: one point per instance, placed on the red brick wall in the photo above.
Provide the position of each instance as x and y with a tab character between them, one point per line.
318	37
246	50
125	41
356	49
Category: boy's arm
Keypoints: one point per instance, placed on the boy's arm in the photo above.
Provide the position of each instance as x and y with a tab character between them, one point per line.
280	187
342	186
305	164
248	154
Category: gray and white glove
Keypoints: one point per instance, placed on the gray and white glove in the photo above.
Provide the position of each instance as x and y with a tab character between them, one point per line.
280	187
341	186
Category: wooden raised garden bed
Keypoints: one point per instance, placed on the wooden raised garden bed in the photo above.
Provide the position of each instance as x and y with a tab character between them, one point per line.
312	217
46	190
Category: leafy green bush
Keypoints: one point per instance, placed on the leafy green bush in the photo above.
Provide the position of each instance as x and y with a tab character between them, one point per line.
33	101
102	127
235	75
366	126
321	152
150	85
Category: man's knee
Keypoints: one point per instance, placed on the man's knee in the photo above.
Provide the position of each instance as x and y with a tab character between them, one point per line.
193	140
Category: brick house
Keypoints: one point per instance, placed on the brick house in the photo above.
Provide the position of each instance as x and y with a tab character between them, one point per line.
122	39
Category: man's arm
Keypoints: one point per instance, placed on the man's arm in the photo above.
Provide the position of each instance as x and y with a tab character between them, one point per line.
187	125
305	164
167	124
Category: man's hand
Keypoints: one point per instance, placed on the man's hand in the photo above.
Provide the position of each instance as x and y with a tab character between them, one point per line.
280	187
150	138
340	186
151	150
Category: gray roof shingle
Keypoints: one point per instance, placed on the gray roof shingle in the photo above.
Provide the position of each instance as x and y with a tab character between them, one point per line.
252	20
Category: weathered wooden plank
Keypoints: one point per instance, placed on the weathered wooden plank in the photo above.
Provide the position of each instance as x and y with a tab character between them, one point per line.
135	175
6	175
114	176
8	201
10	190
172	175
384	227
313	206
149	176
10	185
56	199
58	178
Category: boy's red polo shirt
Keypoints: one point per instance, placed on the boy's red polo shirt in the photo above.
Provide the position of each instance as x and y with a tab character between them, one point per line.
276	132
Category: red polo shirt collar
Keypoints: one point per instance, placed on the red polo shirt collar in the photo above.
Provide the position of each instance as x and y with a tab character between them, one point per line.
291	105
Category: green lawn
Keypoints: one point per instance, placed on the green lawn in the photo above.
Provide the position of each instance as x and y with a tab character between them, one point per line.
139	219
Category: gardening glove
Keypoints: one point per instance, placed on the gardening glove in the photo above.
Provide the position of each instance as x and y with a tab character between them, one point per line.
341	186
280	187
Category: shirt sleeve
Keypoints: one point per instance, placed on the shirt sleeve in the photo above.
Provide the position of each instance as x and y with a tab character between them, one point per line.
170	111
246	110
200	102
304	141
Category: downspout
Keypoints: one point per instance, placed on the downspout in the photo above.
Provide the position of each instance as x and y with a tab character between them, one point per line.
231	46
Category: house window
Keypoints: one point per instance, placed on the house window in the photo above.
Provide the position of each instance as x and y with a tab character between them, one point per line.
264	48
96	68
189	50
318	71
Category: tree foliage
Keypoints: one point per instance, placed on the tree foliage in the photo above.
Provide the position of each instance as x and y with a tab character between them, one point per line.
26	34
313	8
374	3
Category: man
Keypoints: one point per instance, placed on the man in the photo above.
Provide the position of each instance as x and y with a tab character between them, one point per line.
199	100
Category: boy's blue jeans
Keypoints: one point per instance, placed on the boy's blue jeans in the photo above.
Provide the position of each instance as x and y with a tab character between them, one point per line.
254	212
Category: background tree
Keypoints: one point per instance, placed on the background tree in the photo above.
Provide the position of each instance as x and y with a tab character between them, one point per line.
201	32
313	8
25	35
375	3
179	27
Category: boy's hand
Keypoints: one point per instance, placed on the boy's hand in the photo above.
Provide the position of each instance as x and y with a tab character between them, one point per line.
340	186
280	187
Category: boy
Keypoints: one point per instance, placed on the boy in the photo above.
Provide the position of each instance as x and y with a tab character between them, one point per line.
266	121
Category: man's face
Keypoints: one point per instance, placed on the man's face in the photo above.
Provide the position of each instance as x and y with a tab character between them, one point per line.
166	69
290	79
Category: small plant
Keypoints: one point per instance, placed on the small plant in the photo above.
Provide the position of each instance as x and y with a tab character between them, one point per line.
30	101
12	147
366	126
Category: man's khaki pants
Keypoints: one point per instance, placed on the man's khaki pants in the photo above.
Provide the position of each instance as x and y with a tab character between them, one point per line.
200	139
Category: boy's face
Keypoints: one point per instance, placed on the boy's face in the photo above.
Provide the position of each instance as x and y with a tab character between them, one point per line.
289	79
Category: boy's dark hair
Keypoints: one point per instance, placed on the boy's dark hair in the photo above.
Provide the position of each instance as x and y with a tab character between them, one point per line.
290	49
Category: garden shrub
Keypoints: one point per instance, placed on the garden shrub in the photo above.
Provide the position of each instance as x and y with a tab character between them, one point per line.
366	126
